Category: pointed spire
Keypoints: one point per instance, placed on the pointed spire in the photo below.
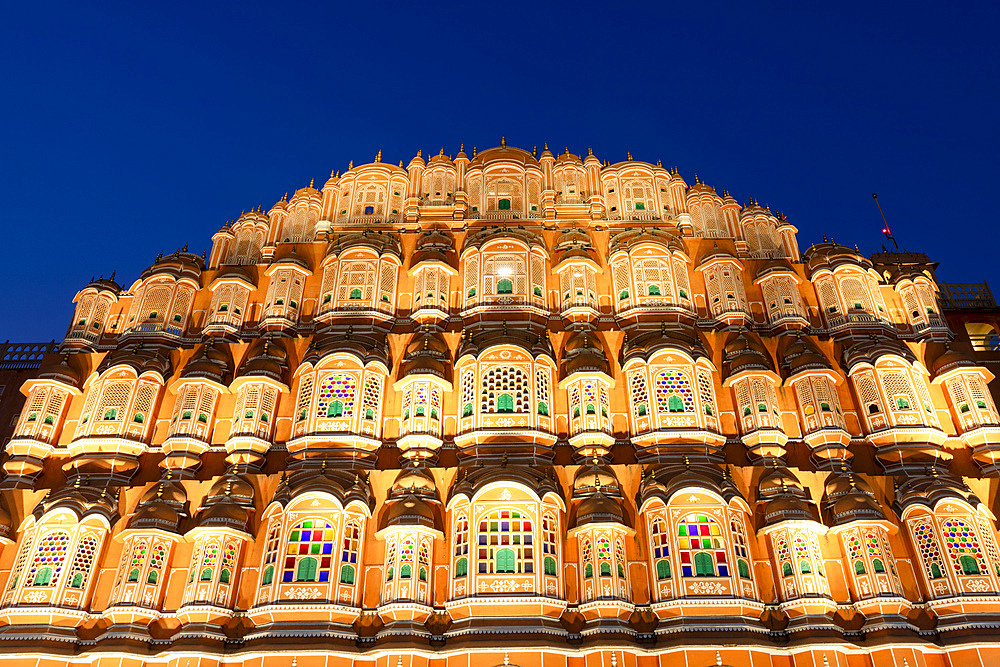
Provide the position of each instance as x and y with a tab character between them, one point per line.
378	156
112	275
311	181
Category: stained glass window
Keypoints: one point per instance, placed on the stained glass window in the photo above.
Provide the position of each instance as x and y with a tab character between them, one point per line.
313	538
960	541
506	529
674	392
699	535
336	396
51	554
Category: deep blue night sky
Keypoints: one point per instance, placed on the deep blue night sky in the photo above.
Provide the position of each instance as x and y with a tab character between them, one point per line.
134	129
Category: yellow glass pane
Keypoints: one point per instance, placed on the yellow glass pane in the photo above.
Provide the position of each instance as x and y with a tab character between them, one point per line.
715	529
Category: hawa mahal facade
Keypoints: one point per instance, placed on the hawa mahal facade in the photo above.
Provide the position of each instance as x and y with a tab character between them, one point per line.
505	409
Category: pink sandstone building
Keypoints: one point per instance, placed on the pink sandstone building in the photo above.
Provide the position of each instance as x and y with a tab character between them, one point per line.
506	408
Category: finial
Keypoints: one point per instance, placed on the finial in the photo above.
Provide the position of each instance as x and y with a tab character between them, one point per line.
350	165
696	179
825	239
378	156
567	151
473	151
442	152
112	275
185	248
400	163
311	181
461	148
659	163
229	487
590	151
503	141
629	154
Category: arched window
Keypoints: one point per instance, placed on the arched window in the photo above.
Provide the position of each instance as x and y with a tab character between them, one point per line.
310	540
349	553
701	546
661	548
510	531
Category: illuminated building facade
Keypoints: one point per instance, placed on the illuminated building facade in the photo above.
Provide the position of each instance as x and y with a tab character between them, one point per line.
513	408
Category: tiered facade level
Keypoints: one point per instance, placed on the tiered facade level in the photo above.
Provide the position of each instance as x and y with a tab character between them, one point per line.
506	409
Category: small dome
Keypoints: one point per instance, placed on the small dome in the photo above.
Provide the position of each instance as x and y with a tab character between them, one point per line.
745	352
62	372
224	514
802	355
592	478
289	256
242	273
830	255
778	481
628	239
234	487
776	266
366	346
575	243
479	237
410	510
103	284
414	480
682	338
503	153
872	350
435	245
427	354
717	254
211	363
600	508
180	264
378	242
267	359
949	360
139	359
584	353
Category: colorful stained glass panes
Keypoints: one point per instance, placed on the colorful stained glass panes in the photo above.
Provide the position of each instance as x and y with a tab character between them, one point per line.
674	384
51	553
961	540
700	534
313	538
336	388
